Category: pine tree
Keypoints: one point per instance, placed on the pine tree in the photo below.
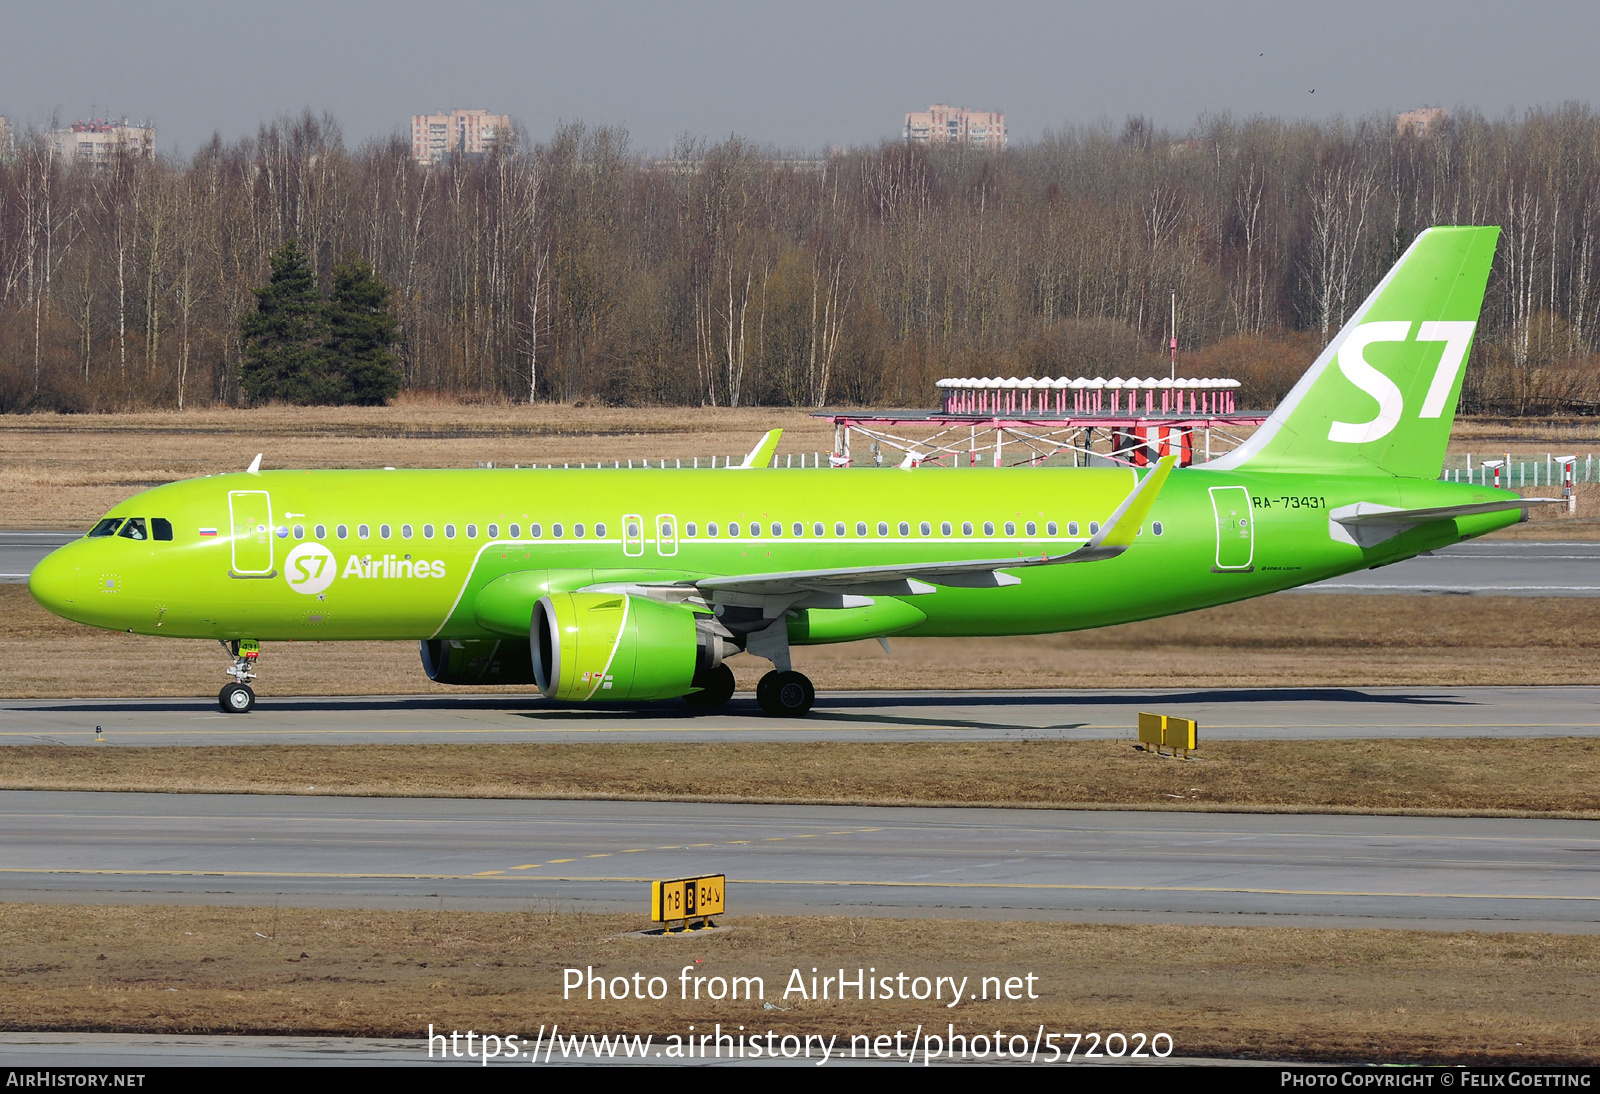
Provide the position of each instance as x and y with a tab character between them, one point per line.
285	356
360	331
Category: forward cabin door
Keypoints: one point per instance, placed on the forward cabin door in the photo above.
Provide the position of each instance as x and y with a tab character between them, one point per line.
1236	531
250	512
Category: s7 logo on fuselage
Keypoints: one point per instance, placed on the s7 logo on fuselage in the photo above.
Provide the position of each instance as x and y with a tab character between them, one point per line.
1456	336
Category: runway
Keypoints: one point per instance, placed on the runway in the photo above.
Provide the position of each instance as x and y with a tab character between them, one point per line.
1241	714
1455	873
1479	568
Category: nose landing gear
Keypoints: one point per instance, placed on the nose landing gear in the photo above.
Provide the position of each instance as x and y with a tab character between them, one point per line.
237	697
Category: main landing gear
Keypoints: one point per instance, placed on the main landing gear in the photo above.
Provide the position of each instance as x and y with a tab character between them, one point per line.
785	694
237	697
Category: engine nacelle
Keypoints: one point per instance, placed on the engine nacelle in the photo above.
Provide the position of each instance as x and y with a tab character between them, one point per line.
614	646
477	661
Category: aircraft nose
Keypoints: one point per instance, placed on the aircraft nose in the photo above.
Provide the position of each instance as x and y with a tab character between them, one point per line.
57	583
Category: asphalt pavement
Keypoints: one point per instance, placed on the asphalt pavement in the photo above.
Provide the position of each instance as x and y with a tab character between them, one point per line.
1128	866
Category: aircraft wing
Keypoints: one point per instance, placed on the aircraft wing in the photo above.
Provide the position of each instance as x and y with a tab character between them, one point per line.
909	579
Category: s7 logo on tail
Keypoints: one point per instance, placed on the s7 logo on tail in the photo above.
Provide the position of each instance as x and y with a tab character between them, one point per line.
1456	337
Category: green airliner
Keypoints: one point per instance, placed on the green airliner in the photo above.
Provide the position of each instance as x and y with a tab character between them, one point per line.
637	584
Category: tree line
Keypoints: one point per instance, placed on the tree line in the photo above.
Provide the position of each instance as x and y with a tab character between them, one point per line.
727	274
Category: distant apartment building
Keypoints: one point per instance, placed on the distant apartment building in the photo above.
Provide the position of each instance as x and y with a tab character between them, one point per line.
99	140
435	137
942	124
1421	122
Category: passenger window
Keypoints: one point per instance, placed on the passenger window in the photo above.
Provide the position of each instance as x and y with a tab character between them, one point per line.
494	531
838	529
600	531
134	529
449	531
106	527
905	529
535	531
362	531
555	530
755	529
472	531
711	529
861	527
1156	527
966	527
798	529
1094	528
321	531
1011	529
1050	528
988	527
299	531
1072	527
1033	529
689	530
343	531
383	531
944	528
883	528
633	530
817	529
577	530
733	528
777	529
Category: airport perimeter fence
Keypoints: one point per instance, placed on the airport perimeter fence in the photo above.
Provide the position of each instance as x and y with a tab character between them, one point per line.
1518	471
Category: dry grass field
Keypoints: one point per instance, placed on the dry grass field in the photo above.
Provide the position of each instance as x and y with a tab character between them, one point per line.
1275	993
1507	777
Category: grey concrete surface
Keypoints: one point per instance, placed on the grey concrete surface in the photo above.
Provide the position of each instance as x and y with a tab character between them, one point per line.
1307	870
20	552
1483	568
1223	714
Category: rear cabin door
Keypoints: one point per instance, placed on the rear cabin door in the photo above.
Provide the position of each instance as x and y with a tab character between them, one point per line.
251	515
1236	543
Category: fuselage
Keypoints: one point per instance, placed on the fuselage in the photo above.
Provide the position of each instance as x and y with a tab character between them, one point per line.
331	555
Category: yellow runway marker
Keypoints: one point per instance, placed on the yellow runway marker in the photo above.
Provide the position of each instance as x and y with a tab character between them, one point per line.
556	860
530	866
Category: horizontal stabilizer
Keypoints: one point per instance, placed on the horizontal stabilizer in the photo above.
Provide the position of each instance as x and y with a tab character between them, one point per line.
1367	524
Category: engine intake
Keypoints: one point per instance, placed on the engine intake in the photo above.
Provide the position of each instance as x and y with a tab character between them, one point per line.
612	646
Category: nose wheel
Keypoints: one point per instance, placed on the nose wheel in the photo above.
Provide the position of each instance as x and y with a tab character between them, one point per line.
236	699
785	694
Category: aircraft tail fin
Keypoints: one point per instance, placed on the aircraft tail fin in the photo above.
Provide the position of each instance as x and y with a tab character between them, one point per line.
1380	399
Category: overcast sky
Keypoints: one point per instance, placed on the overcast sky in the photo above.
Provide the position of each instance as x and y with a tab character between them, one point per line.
800	75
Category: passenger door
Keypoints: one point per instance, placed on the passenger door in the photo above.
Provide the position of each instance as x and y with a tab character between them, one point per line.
1236	542
250	512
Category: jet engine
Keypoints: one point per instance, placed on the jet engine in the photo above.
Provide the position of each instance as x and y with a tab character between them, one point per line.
616	646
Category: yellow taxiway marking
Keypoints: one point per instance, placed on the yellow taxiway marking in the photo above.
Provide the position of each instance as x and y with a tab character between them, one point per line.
1032	886
556	860
530	866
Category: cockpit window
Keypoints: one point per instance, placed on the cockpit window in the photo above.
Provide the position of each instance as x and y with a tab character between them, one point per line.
106	527
134	529
161	528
